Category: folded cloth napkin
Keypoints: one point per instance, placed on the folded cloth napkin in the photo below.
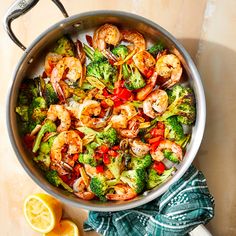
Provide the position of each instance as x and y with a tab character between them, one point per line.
185	205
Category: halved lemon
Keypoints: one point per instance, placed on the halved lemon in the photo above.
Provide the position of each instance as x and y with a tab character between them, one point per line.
64	228
42	212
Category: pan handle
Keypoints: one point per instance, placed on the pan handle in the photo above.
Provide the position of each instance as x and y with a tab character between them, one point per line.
18	8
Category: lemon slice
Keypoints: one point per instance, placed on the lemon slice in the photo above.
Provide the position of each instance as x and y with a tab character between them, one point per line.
65	228
42	212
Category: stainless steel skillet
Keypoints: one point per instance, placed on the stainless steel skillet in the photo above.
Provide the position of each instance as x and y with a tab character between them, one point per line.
78	25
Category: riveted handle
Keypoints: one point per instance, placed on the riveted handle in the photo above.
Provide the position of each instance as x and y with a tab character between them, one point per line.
18	8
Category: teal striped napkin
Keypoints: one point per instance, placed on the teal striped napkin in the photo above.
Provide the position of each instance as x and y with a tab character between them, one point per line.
185	205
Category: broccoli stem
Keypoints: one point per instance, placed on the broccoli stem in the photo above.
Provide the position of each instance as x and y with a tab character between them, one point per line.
89	52
49	126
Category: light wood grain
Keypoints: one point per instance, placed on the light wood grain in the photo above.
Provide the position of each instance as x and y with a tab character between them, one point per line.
213	23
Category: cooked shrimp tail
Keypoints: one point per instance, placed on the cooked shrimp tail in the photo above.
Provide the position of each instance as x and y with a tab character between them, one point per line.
106	34
169	67
122	192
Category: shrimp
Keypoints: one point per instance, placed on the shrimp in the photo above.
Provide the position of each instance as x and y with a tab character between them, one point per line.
128	110
92	171
106	34
135	38
143	92
144	61
60	112
81	190
155	103
158	154
88	109
132	129
70	66
122	192
60	168
119	121
50	62
70	139
139	148
169	67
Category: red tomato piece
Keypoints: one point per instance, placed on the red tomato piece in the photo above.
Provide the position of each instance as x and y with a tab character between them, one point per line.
75	157
160	125
155	140
124	94
117	102
115	148
149	73
104	104
159	167
100	169
98	156
154	146
76	168
106	159
103	149
105	93
129	61
157	132
113	153
65	178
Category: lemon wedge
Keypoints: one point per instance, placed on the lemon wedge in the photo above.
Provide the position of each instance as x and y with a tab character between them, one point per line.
65	228
42	212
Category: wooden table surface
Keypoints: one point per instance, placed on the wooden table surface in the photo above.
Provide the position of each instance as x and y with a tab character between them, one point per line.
207	30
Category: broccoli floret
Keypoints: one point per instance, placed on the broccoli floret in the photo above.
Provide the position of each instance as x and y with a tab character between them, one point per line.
108	72
87	86
65	47
140	162
48	126
98	56
43	161
126	71
23	111
180	91
187	114
55	180
29	89
93	69
182	105
50	95
33	114
136	179
135	81
153	179
120	51
115	165
38	110
104	71
156	48
88	157
45	147
99	186
109	137
173	129
170	156
31	108
184	141
93	55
